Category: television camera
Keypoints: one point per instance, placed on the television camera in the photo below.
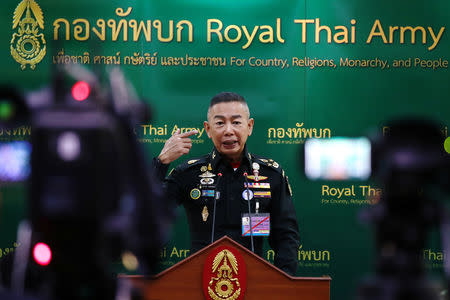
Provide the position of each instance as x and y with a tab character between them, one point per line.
414	169
92	198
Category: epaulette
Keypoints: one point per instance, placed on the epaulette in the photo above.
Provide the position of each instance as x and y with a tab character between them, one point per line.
267	162
274	165
193	162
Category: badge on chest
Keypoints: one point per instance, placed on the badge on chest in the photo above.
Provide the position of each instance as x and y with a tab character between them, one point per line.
204	190
255	224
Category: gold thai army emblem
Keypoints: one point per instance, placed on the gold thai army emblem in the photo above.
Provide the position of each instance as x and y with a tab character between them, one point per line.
27	43
224	286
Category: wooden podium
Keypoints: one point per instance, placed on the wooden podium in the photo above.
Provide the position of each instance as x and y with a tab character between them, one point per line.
184	280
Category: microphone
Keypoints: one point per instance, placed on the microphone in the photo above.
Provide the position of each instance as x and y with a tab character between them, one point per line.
216	197
249	210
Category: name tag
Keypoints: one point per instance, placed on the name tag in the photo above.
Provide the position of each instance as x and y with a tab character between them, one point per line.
260	224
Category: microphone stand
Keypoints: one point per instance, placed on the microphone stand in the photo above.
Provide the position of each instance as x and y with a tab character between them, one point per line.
216	197
249	211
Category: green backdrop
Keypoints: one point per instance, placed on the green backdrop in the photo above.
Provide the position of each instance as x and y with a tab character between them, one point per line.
373	62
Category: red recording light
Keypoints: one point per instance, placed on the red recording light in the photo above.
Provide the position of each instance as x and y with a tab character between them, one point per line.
81	90
42	254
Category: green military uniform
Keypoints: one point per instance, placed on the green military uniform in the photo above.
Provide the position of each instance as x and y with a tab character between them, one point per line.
193	184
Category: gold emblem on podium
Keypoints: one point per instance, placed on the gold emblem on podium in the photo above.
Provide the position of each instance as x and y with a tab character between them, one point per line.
224	286
27	44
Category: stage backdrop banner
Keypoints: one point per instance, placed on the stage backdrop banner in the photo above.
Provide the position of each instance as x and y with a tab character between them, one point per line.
307	69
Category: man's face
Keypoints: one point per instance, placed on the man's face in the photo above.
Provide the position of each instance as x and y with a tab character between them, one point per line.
229	127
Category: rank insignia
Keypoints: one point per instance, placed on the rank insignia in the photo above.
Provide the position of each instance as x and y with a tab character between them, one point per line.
270	163
262	194
192	161
195	194
254	178
205	213
258	185
208	193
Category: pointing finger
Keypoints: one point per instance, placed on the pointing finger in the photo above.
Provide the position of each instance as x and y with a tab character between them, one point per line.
188	133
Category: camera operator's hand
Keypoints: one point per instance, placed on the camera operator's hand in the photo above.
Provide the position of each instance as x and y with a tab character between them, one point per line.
177	145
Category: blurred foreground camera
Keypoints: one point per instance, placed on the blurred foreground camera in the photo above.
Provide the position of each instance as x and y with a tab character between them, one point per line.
411	164
414	168
92	200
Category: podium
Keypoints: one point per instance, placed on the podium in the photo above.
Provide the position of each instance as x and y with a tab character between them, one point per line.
241	275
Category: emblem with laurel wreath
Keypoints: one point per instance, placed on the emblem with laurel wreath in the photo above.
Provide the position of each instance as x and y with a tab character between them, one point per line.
225	286
27	44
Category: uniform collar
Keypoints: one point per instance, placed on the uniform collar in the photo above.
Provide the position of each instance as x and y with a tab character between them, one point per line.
216	158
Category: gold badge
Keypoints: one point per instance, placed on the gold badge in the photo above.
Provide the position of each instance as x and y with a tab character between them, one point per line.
207	174
205	213
225	285
192	161
27	44
203	169
254	178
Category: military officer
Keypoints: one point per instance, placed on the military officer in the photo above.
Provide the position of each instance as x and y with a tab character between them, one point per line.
229	191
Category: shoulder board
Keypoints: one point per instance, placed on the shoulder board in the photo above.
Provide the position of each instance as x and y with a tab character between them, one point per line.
193	162
268	162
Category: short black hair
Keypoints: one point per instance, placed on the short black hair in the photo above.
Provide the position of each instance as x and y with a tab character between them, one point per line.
226	97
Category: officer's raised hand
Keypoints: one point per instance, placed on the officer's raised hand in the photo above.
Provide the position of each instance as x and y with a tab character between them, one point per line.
177	145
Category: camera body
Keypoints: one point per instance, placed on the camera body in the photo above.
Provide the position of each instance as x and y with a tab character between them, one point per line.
92	196
410	162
